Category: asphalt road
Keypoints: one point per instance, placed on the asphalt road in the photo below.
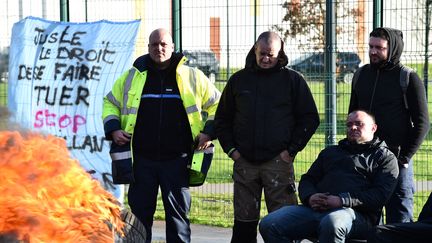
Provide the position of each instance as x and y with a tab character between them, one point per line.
200	233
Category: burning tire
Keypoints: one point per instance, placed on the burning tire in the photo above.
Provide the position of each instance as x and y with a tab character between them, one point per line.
47	196
134	230
9	239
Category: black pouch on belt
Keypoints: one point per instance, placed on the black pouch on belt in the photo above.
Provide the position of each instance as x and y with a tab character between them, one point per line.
121	165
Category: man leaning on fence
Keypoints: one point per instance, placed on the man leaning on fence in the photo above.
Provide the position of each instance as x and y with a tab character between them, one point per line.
396	97
343	192
156	109
266	115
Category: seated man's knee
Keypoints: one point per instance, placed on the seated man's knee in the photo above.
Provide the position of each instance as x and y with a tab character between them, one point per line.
276	225
266	225
334	224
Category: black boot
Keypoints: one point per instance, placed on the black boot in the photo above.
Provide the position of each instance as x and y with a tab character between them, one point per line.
244	232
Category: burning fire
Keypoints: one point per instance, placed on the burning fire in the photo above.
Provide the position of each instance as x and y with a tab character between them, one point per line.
45	196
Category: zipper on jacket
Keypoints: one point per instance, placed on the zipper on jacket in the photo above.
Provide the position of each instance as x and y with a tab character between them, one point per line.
255	122
162	79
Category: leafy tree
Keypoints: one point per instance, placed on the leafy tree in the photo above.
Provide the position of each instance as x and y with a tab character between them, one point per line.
306	19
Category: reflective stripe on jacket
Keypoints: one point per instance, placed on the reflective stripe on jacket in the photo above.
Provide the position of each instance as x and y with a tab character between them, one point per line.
196	91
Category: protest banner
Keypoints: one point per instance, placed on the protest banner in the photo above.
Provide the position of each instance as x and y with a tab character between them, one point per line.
59	73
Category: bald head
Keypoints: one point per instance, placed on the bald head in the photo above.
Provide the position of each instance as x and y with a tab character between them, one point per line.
267	49
161	47
160	32
268	38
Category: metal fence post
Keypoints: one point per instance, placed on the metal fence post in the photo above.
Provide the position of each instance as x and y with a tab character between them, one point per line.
426	47
228	71
64	10
330	82
377	13
176	23
20	9
255	20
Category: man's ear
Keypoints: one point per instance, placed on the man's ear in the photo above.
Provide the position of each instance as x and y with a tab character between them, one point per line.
374	127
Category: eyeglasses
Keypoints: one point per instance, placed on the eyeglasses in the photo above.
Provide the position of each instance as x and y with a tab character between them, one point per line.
355	123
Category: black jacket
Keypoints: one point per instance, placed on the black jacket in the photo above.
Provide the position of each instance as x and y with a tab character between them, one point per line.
426	213
263	112
378	91
162	130
363	175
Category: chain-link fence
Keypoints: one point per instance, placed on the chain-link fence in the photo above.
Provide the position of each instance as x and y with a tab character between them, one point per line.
216	36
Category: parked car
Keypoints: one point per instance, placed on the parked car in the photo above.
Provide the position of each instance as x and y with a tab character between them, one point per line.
312	66
4	65
204	60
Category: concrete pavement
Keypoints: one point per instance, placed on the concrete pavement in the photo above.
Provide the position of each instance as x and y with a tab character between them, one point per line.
200	234
213	234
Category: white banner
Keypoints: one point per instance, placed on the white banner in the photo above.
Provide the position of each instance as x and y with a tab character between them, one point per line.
59	73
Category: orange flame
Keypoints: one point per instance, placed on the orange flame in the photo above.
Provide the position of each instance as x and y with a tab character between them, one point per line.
45	196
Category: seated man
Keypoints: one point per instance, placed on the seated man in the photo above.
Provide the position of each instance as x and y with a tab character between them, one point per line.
343	192
418	232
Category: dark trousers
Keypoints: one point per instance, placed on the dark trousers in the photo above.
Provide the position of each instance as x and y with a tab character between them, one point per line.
173	179
417	232
399	209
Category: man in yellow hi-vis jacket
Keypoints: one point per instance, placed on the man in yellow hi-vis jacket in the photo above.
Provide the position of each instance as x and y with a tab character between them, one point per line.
155	115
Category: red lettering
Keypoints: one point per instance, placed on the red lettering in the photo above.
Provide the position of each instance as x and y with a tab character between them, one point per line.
78	120
48	116
64	121
45	118
38	119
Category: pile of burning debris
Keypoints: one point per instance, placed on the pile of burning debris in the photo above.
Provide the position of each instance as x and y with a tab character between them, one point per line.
48	197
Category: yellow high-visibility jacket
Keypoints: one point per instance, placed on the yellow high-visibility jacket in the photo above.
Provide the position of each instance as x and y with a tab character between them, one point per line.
198	94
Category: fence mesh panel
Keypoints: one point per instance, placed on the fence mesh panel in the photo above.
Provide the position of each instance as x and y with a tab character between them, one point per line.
216	36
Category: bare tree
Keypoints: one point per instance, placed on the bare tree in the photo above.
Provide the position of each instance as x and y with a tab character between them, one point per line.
421	23
306	19
423	34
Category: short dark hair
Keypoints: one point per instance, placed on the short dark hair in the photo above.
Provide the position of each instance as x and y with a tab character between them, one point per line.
380	33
